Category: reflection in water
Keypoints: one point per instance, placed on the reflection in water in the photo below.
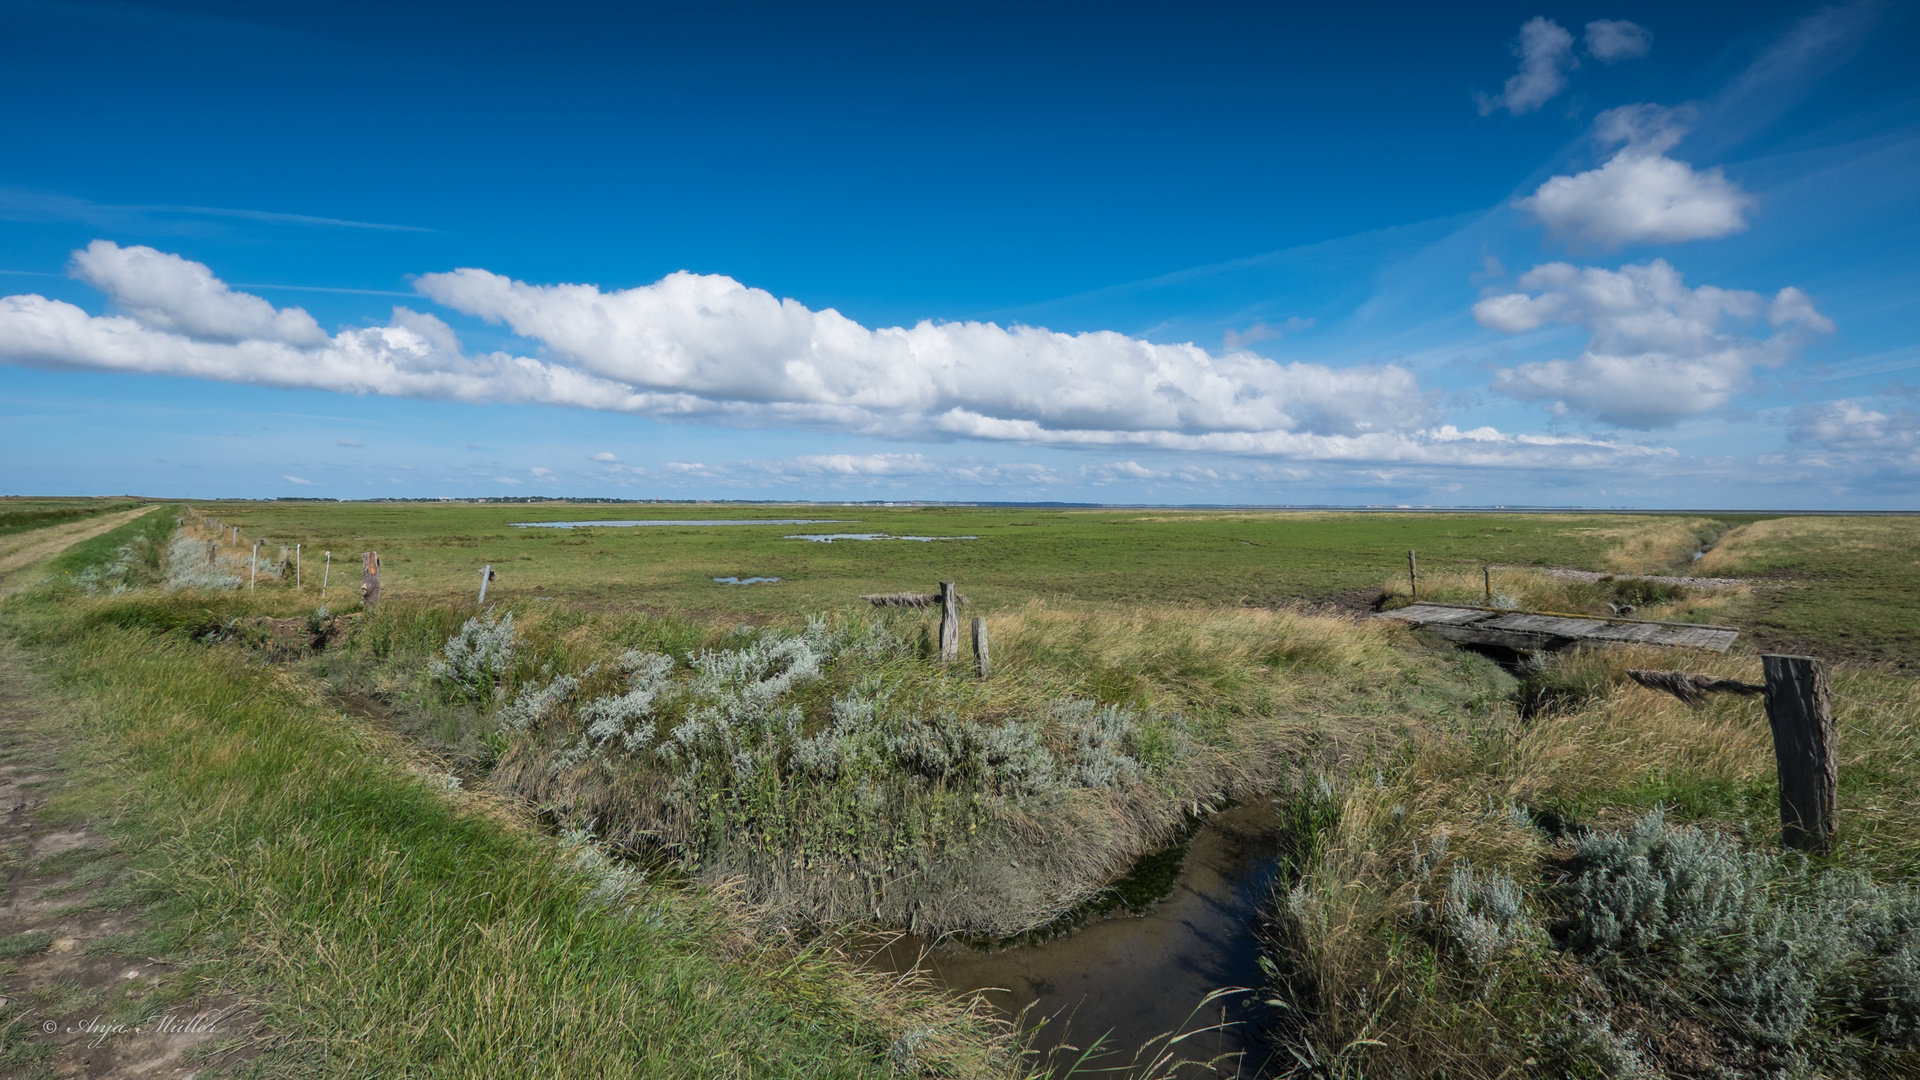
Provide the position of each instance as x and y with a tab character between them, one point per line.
747	580
1138	978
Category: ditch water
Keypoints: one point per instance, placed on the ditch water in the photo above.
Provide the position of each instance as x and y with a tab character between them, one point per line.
1135	978
643	524
747	580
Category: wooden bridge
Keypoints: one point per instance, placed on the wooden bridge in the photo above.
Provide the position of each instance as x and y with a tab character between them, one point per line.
1533	631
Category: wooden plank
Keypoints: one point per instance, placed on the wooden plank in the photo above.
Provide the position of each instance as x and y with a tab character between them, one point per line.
1436	613
1547	630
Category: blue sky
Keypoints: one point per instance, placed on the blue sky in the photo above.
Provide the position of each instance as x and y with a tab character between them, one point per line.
1630	255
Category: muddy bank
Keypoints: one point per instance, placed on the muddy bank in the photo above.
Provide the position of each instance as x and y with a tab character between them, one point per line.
1136	978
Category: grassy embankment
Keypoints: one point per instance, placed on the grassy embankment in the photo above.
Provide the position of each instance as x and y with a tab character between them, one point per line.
386	926
1596	890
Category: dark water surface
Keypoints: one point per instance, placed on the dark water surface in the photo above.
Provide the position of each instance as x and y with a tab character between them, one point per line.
1141	977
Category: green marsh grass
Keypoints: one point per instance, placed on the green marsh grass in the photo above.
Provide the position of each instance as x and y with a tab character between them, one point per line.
388	928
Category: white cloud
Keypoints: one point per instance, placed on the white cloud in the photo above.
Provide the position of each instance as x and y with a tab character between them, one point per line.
606	457
720	347
1545	50
1851	426
540	472
296	480
167	292
1794	306
1135	470
1235	340
709	348
1656	352
1613	40
503	480
1640	195
863	464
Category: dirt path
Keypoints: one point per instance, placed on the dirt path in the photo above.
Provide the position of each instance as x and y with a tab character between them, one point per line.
86	987
25	549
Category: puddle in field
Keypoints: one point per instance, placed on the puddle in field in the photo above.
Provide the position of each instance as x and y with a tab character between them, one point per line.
1138	978
643	524
828	538
746	581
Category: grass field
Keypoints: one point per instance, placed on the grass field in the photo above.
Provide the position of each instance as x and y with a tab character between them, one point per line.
1149	664
435	552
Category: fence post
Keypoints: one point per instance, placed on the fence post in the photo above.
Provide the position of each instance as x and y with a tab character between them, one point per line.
296	568
1413	575
1488	572
1803	748
370	579
981	662
325	569
486	575
949	623
253	566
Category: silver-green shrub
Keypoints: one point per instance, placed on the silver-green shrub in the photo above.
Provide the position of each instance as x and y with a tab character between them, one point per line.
1483	915
188	566
473	661
1764	941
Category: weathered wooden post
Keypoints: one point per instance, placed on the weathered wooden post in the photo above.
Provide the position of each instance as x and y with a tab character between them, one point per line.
325	569
486	575
1413	575
949	623
1488	572
1804	748
213	546
981	662
370	579
253	566
296	567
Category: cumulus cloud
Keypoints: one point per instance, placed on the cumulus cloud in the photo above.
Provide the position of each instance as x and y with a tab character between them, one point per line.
705	347
167	292
1613	40
725	348
1234	340
1852	426
296	480
603	456
1657	351
1545	50
1640	195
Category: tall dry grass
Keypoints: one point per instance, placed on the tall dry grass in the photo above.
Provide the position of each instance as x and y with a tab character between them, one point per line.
1387	988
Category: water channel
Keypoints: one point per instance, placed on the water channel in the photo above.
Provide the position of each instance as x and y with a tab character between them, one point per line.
1133	978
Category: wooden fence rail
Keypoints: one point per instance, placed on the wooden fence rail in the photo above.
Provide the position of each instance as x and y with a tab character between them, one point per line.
1805	742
